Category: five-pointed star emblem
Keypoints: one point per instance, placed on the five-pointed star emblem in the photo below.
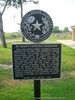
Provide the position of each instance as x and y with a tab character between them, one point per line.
37	26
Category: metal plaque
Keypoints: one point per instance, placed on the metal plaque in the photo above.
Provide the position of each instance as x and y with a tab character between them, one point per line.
36	25
36	61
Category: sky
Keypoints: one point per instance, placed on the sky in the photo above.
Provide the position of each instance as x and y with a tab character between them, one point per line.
62	13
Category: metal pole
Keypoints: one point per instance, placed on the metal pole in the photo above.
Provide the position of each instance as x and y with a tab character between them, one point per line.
36	89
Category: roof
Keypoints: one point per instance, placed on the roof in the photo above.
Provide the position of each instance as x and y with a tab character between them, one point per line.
73	27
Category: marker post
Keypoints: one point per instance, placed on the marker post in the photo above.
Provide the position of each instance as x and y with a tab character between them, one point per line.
36	89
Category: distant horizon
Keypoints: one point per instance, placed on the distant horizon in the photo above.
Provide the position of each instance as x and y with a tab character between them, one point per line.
19	30
53	26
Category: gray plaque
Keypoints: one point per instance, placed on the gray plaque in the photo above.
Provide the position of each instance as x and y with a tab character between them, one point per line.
36	25
36	61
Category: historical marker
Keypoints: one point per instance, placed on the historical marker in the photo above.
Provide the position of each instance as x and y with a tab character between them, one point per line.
36	25
36	61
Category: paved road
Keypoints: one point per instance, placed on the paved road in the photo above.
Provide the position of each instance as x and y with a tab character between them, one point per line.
11	41
5	66
69	43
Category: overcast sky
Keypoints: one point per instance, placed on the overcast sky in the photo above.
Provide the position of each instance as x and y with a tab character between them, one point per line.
61	11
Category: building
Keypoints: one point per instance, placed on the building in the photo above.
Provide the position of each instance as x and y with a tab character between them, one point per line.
73	33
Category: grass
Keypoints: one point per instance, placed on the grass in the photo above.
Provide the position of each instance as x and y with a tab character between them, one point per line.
61	88
5	74
5	55
23	90
68	58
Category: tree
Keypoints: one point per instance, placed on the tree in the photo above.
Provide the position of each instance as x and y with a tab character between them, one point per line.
1	24
66	29
3	3
56	29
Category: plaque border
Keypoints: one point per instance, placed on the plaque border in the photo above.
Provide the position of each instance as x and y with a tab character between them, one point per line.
60	64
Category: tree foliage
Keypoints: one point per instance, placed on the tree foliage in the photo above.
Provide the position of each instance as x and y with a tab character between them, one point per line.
66	29
56	29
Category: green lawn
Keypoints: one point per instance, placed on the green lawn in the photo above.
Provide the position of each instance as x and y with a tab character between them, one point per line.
23	90
68	58
5	55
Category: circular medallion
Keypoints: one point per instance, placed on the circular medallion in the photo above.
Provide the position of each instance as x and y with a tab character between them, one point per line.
36	25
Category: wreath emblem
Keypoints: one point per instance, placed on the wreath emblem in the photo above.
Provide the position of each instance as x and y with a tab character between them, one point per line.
36	25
